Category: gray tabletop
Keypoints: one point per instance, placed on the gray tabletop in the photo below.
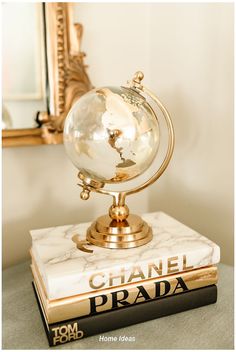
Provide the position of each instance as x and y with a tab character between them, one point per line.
209	327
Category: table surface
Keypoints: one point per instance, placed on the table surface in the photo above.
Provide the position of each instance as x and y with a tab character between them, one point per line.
209	327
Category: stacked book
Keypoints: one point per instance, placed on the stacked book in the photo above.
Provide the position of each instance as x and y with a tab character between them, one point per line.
84	290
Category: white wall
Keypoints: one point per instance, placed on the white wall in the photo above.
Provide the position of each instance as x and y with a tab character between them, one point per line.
186	52
192	69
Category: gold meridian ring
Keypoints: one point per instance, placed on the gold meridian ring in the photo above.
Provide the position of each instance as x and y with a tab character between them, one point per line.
133	231
165	162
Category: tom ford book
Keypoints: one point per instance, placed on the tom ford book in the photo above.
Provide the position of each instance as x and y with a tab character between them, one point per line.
68	271
71	330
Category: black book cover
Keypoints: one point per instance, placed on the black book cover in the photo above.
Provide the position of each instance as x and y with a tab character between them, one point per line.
70	330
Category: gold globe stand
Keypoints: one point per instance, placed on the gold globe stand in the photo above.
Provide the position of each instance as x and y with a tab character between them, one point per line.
120	229
132	232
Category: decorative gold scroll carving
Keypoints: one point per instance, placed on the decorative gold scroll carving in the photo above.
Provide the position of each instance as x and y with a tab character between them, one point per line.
67	77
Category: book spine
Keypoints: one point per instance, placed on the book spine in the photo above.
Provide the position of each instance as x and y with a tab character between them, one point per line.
75	329
127	273
120	297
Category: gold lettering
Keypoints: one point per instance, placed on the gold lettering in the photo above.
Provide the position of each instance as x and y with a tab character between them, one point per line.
56	339
73	329
91	282
63	338
63	330
185	267
74	333
66	333
140	274
71	336
137	273
121	276
55	330
157	270
79	334
60	334
172	265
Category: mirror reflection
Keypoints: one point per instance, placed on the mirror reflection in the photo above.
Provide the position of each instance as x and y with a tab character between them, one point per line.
24	73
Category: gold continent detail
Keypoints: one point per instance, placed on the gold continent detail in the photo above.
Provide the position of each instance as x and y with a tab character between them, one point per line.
111	134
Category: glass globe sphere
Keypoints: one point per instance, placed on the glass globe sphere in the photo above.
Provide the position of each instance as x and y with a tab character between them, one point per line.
111	134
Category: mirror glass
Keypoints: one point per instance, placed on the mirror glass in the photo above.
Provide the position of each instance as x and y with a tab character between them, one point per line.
24	72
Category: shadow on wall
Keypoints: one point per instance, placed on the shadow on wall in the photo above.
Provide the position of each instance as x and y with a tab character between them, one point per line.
201	215
40	190
193	189
48	213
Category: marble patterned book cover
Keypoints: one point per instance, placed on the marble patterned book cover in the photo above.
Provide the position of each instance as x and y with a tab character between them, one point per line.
68	271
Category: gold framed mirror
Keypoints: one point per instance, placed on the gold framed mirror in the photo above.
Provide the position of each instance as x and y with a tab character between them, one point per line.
66	77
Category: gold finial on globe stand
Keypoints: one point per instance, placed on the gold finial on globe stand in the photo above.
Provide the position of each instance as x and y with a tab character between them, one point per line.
111	146
136	81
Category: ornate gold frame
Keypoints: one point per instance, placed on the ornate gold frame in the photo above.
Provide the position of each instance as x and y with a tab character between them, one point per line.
67	78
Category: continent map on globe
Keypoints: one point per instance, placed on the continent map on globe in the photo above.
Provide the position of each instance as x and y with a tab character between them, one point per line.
111	134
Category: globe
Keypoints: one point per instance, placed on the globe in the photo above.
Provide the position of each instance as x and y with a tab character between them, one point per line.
111	134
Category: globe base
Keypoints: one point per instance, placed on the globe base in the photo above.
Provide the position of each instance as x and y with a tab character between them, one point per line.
130	233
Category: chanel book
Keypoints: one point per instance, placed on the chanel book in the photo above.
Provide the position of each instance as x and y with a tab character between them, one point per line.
120	297
68	268
77	328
